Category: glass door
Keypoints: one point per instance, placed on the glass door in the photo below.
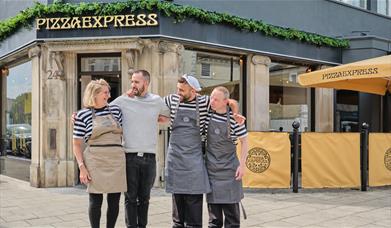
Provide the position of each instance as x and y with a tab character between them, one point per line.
105	66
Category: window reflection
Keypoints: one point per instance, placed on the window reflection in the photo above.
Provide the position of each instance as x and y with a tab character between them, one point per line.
18	113
358	3
100	64
288	101
213	70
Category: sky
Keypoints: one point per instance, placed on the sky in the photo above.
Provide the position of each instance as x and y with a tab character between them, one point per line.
19	80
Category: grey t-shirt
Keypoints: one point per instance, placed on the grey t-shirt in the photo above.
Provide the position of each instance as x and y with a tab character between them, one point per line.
139	121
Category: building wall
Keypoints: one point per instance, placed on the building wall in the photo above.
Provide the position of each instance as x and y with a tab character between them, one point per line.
304	15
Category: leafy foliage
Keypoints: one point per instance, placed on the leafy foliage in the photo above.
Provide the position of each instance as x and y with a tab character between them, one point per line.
180	13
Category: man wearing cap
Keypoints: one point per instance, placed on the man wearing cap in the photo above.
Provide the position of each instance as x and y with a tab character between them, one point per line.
186	174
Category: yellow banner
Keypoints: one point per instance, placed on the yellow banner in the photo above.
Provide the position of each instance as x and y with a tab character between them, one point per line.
330	160
268	162
379	160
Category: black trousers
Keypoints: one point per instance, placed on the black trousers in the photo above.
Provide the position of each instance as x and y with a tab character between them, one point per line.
231	214
94	209
187	210
140	175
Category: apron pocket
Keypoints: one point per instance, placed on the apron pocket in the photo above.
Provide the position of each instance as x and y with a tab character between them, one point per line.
184	179
222	190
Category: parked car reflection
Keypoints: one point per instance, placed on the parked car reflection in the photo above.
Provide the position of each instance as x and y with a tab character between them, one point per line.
19	139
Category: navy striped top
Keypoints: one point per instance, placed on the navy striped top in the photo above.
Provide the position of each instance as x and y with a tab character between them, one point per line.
82	128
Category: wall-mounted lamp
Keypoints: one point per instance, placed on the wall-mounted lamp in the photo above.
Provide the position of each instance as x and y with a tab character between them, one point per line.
5	71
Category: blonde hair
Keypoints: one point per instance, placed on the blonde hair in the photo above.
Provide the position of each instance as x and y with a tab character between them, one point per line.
92	89
223	90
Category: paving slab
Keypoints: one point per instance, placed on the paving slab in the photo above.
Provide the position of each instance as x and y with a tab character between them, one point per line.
24	206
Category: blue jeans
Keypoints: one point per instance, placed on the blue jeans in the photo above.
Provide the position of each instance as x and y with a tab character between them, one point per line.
140	175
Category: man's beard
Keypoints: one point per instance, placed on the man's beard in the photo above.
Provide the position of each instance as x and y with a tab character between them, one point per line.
138	92
185	98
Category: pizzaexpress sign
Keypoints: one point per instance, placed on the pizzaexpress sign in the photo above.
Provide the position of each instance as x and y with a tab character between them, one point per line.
89	22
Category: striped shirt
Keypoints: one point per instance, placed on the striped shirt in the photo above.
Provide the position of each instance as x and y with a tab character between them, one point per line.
82	128
203	102
237	131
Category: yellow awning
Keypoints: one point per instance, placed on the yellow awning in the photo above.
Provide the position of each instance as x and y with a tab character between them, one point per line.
370	76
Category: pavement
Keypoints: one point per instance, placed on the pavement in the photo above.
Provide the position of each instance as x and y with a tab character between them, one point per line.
24	206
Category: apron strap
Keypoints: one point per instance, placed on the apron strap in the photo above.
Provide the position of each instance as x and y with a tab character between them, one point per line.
243	211
198	111
175	111
228	124
93	113
112	116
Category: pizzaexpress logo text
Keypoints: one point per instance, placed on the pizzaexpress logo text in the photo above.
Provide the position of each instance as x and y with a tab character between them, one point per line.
387	159
88	22
347	73
258	160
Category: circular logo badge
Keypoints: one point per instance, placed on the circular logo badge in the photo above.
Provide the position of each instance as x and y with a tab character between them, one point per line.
258	160
387	159
186	119
217	131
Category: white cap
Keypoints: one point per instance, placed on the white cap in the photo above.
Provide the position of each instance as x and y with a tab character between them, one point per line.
192	81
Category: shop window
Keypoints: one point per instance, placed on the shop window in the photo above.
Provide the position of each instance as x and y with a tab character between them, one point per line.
18	121
100	64
94	66
214	70
346	111
205	70
288	101
357	3
384	7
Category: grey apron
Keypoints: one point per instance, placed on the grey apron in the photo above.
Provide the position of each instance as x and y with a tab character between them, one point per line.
104	156
221	163
185	167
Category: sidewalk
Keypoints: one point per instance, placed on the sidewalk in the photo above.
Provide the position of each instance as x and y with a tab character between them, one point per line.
25	206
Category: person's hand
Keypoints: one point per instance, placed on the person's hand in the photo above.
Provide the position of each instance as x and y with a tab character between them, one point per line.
239	118
129	93
239	173
85	177
163	119
73	117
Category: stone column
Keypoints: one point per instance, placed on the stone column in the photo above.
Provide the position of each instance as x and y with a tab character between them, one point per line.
36	157
130	62
129	65
54	120
258	93
150	60
324	110
171	58
67	159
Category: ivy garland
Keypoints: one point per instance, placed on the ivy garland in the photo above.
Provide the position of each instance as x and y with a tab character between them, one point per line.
26	17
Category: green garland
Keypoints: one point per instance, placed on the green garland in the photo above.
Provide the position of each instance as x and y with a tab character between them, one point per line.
26	17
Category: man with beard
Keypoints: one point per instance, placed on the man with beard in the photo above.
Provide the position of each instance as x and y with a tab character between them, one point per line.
140	113
186	174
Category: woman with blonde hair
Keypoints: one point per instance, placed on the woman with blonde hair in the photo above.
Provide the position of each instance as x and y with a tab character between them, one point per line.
102	164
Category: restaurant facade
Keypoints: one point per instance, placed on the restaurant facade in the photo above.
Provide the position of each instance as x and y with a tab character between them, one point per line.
45	68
